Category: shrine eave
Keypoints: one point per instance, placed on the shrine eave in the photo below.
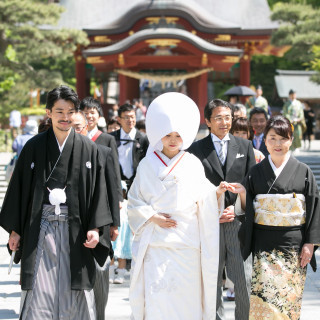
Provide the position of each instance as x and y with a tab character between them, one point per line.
162	33
198	17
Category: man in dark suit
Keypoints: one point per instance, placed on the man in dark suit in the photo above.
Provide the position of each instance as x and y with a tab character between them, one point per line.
227	158
101	286
92	109
258	121
132	144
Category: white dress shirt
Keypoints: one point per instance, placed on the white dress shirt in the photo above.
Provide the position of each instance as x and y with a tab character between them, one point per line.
216	141
91	133
125	152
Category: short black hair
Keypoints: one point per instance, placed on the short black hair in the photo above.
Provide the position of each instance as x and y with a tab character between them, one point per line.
125	107
91	103
281	125
62	93
215	103
257	110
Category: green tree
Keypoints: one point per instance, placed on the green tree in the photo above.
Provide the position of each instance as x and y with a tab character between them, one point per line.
299	28
32	48
314	3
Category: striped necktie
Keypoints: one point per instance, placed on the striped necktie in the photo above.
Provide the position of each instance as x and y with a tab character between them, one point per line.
222	156
258	142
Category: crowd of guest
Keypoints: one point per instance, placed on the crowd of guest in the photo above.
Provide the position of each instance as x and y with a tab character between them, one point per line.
159	209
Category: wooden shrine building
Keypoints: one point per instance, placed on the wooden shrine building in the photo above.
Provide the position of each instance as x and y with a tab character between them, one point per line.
164	41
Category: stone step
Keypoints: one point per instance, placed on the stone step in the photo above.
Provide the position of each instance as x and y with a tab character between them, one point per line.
3	189
3	183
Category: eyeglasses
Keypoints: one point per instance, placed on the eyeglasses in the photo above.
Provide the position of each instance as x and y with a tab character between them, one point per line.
128	117
78	129
220	119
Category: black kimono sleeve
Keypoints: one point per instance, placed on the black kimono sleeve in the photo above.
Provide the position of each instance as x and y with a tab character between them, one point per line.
312	234
16	203
111	182
115	159
100	216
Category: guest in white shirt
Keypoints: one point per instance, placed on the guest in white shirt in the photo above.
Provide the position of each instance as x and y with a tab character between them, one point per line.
132	144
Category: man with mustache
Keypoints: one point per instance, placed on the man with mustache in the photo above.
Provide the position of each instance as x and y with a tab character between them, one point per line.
55	211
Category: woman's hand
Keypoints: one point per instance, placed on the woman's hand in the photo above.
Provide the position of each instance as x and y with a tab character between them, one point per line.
241	190
14	241
306	254
163	220
92	239
236	188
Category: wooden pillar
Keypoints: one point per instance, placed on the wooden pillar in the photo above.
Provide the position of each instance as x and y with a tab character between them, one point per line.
197	89
245	70
129	89
81	83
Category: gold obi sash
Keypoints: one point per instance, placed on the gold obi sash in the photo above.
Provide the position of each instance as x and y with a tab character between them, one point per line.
280	209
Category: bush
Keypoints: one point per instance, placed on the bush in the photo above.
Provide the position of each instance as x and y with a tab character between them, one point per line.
35	111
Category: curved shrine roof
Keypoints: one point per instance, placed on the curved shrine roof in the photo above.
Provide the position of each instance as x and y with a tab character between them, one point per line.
114	16
162	33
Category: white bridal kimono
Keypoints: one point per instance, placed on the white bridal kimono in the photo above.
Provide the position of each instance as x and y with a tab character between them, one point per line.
174	270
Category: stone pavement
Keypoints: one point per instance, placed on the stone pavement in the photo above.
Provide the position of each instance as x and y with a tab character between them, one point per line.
118	305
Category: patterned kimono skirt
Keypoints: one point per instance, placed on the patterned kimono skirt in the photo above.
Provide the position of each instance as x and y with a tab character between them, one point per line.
51	296
278	279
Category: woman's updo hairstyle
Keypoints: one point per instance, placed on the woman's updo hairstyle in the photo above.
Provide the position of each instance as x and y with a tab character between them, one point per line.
281	126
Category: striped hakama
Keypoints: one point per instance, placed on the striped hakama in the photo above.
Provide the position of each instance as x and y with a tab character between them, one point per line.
101	289
51	296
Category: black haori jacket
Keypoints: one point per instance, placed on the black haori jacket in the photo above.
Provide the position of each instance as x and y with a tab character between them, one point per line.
86	200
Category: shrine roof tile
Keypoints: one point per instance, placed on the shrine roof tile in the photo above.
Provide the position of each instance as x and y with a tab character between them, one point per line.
240	17
297	80
162	33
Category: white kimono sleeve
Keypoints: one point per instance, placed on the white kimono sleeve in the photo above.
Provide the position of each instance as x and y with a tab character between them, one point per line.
209	238
139	212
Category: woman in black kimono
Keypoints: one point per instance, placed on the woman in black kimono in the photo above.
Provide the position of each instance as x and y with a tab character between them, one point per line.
282	226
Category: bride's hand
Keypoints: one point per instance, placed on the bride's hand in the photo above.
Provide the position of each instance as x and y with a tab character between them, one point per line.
163	220
236	188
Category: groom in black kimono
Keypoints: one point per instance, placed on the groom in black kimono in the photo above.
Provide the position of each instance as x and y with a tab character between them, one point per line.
54	210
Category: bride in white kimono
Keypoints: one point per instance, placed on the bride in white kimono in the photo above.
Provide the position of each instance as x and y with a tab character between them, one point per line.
173	212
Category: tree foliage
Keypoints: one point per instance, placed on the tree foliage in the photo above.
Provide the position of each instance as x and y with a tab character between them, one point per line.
32	47
314	3
263	69
299	28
